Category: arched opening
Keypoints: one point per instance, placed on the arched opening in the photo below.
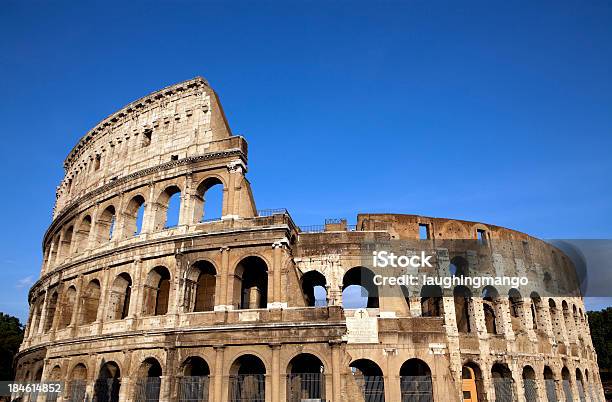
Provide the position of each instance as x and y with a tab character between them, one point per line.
431	301
105	225
529	385
53	250
589	383
37	315
415	381
251	283
82	234
305	378
90	301
490	300
462	297
314	289
567	384
580	386
200	287
536	309
106	388
502	382
516	309
148	381
64	248
133	216
77	383
194	383
459	266
67	308
157	292
555	318
168	208
358	289
50	314
209	200
247	379
369	379
119	298
549	383
471	379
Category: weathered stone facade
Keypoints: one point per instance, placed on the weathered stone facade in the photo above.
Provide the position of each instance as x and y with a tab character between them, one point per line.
223	310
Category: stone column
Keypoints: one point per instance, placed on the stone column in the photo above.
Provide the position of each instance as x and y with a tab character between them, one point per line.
103	302
216	390
136	298
92	240
148	219
276	372
336	380
274	291
185	213
221	285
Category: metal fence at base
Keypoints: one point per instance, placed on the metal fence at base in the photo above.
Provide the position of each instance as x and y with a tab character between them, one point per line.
77	390
503	389
193	388
301	386
247	388
416	389
567	390
531	390
147	389
106	390
551	390
372	387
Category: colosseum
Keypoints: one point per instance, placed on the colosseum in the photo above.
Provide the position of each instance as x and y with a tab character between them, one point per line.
133	304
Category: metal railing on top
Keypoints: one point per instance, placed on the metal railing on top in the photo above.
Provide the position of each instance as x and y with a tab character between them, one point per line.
272	211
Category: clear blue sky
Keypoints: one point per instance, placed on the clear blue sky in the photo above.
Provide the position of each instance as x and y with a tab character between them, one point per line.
492	111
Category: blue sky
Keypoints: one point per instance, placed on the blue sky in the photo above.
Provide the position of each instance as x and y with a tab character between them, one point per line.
490	111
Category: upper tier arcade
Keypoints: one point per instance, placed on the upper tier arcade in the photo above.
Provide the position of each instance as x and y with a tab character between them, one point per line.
179	121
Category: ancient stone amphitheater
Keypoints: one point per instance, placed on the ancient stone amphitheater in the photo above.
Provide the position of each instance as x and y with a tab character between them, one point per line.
135	305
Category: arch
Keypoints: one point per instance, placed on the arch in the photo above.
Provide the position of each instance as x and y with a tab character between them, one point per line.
251	283
209	200
515	301
580	385
65	243
536	309
90	300
530	388
305	378
194	382
490	298
56	373
105	225
108	383
549	384
51	308
566	380
247	379
119	298
200	284
148	380
502	382
77	382
431	301
156	292
133	216
362	293
415	381
459	266
555	318
168	208
314	285
67	309
462	297
472	386
81	237
369	378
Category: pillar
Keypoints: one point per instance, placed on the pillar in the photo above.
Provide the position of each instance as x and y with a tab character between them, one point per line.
217	388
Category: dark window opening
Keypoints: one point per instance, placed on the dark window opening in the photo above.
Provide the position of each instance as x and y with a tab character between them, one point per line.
146	137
